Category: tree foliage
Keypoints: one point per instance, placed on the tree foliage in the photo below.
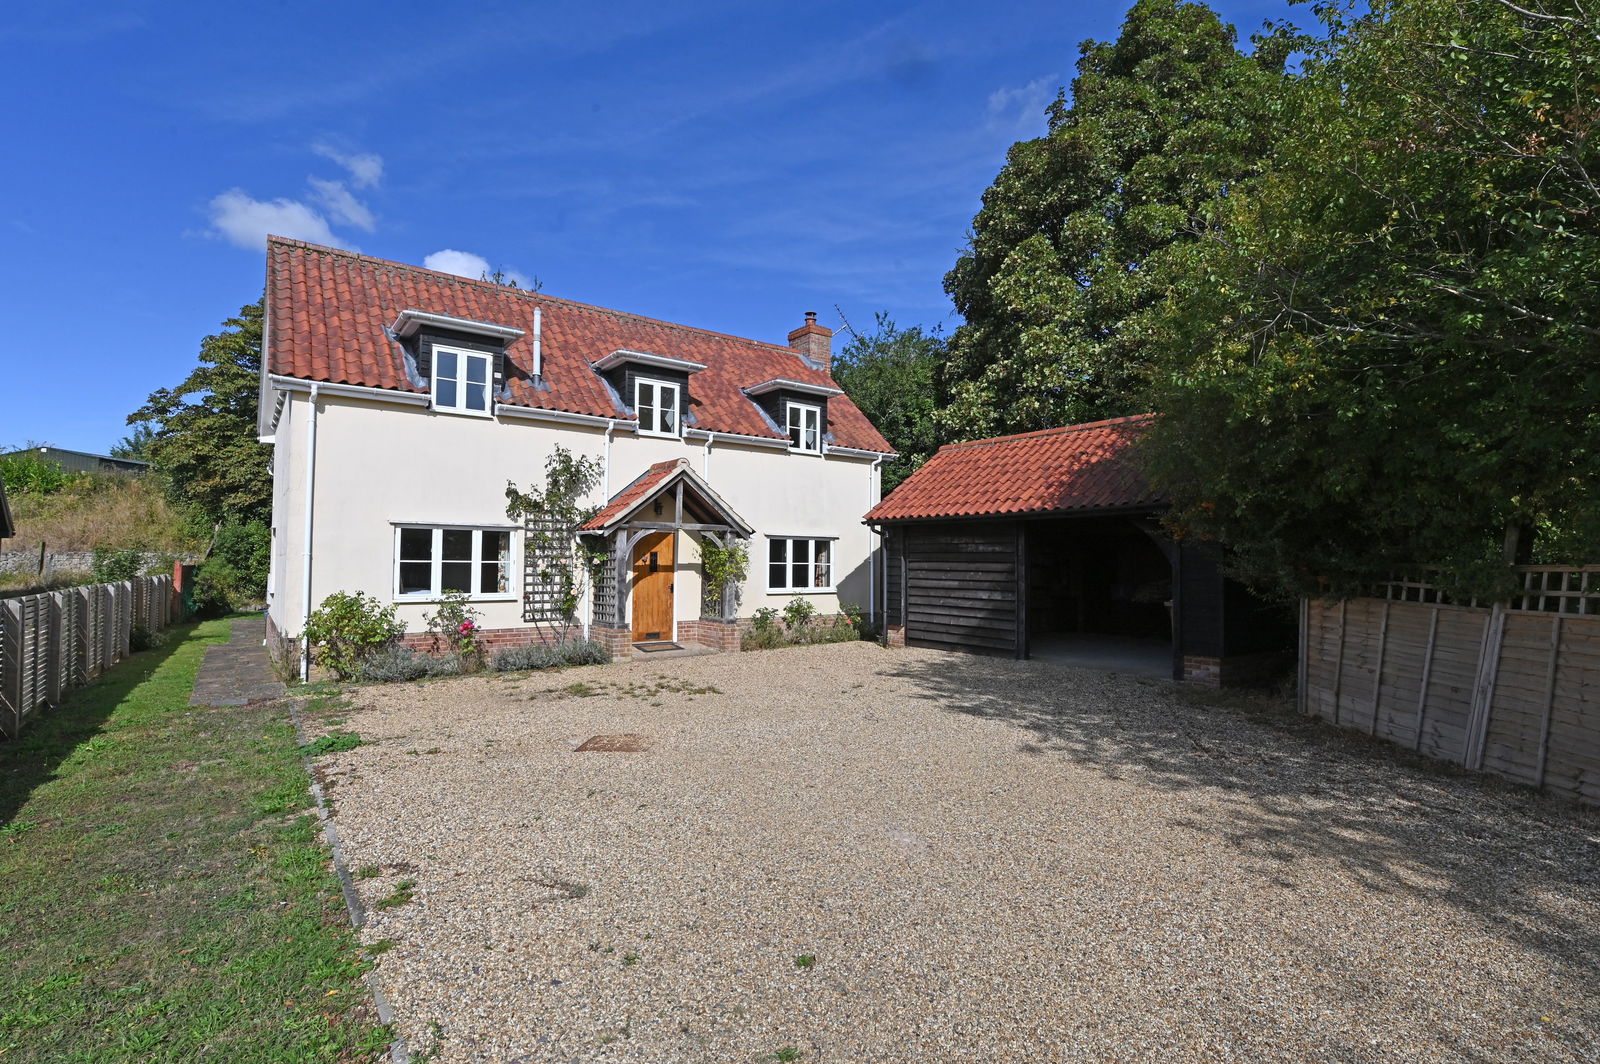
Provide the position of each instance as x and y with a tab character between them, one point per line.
1387	351
204	429
893	375
1061	266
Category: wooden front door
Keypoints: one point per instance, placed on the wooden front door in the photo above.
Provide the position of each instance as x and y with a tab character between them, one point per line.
653	580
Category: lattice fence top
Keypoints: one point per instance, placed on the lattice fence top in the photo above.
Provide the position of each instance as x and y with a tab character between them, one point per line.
1565	589
1553	589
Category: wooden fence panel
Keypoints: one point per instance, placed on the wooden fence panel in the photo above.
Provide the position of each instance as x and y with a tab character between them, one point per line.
53	642
1407	649
1447	703
1512	689
1573	766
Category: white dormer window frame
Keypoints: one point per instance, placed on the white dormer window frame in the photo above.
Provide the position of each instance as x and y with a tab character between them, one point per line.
803	421
658	417
463	381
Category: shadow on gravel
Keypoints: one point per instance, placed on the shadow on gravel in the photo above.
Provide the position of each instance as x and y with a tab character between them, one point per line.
1526	867
52	736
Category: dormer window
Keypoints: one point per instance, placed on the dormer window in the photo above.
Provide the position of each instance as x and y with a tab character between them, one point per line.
657	404
461	360
461	380
805	426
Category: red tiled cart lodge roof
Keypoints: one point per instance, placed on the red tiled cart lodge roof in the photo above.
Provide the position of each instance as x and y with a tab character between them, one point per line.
1074	468
328	312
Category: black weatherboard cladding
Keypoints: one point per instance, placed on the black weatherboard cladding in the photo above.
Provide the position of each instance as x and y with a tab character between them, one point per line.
773	404
622	377
424	341
960	585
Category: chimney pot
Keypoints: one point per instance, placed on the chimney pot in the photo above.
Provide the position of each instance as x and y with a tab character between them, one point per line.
811	317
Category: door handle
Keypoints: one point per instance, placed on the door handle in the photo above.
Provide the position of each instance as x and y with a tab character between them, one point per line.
672	587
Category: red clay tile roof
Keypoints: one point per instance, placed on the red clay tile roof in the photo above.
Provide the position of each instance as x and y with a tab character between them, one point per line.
629	497
1077	467
327	311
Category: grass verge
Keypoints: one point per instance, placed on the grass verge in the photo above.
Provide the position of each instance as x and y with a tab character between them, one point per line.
167	896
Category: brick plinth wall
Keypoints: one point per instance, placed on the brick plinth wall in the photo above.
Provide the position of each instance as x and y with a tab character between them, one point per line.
1242	670
722	636
615	640
492	640
1204	671
283	650
895	635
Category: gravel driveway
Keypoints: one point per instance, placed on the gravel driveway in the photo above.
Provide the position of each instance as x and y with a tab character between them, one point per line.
987	860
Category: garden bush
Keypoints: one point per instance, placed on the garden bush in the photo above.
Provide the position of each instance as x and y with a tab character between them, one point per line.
520	659
542	656
393	664
454	626
113	565
347	629
799	626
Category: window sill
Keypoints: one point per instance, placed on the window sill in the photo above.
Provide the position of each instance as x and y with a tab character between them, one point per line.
462	411
802	590
658	435
423	600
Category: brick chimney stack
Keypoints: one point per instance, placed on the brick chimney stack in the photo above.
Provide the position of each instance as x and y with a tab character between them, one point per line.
814	342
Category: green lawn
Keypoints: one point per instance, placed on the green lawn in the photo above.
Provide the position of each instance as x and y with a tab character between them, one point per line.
164	890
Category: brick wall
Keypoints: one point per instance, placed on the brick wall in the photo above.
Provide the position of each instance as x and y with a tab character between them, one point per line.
493	640
896	634
283	650
718	635
1242	670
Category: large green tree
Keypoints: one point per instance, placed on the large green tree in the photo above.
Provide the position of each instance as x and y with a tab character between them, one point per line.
1061	263
204	439
893	375
1387	355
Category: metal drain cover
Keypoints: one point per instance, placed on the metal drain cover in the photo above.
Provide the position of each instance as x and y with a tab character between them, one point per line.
613	744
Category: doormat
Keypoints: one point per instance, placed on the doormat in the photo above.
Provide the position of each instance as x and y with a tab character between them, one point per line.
657	644
613	744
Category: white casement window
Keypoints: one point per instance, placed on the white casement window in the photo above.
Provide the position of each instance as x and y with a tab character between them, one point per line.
461	380
799	564
657	404
805	427
428	561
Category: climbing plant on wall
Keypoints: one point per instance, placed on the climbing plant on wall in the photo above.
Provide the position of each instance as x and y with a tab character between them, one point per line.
558	566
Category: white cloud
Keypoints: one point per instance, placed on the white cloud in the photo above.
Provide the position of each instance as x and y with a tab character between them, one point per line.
466	264
340	204
246	221
1020	111
365	168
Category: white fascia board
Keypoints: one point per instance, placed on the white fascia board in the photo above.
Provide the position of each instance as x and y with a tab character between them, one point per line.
352	391
410	321
785	385
736	438
645	358
855	452
537	413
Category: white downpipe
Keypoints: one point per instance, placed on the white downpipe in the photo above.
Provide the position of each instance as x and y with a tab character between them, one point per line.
605	463
705	457
538	342
873	495
305	562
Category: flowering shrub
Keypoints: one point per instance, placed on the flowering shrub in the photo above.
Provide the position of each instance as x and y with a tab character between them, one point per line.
454	627
800	625
347	629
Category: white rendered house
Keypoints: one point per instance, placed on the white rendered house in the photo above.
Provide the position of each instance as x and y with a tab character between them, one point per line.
400	401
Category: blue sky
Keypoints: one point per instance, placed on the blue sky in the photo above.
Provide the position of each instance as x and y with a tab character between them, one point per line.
725	165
